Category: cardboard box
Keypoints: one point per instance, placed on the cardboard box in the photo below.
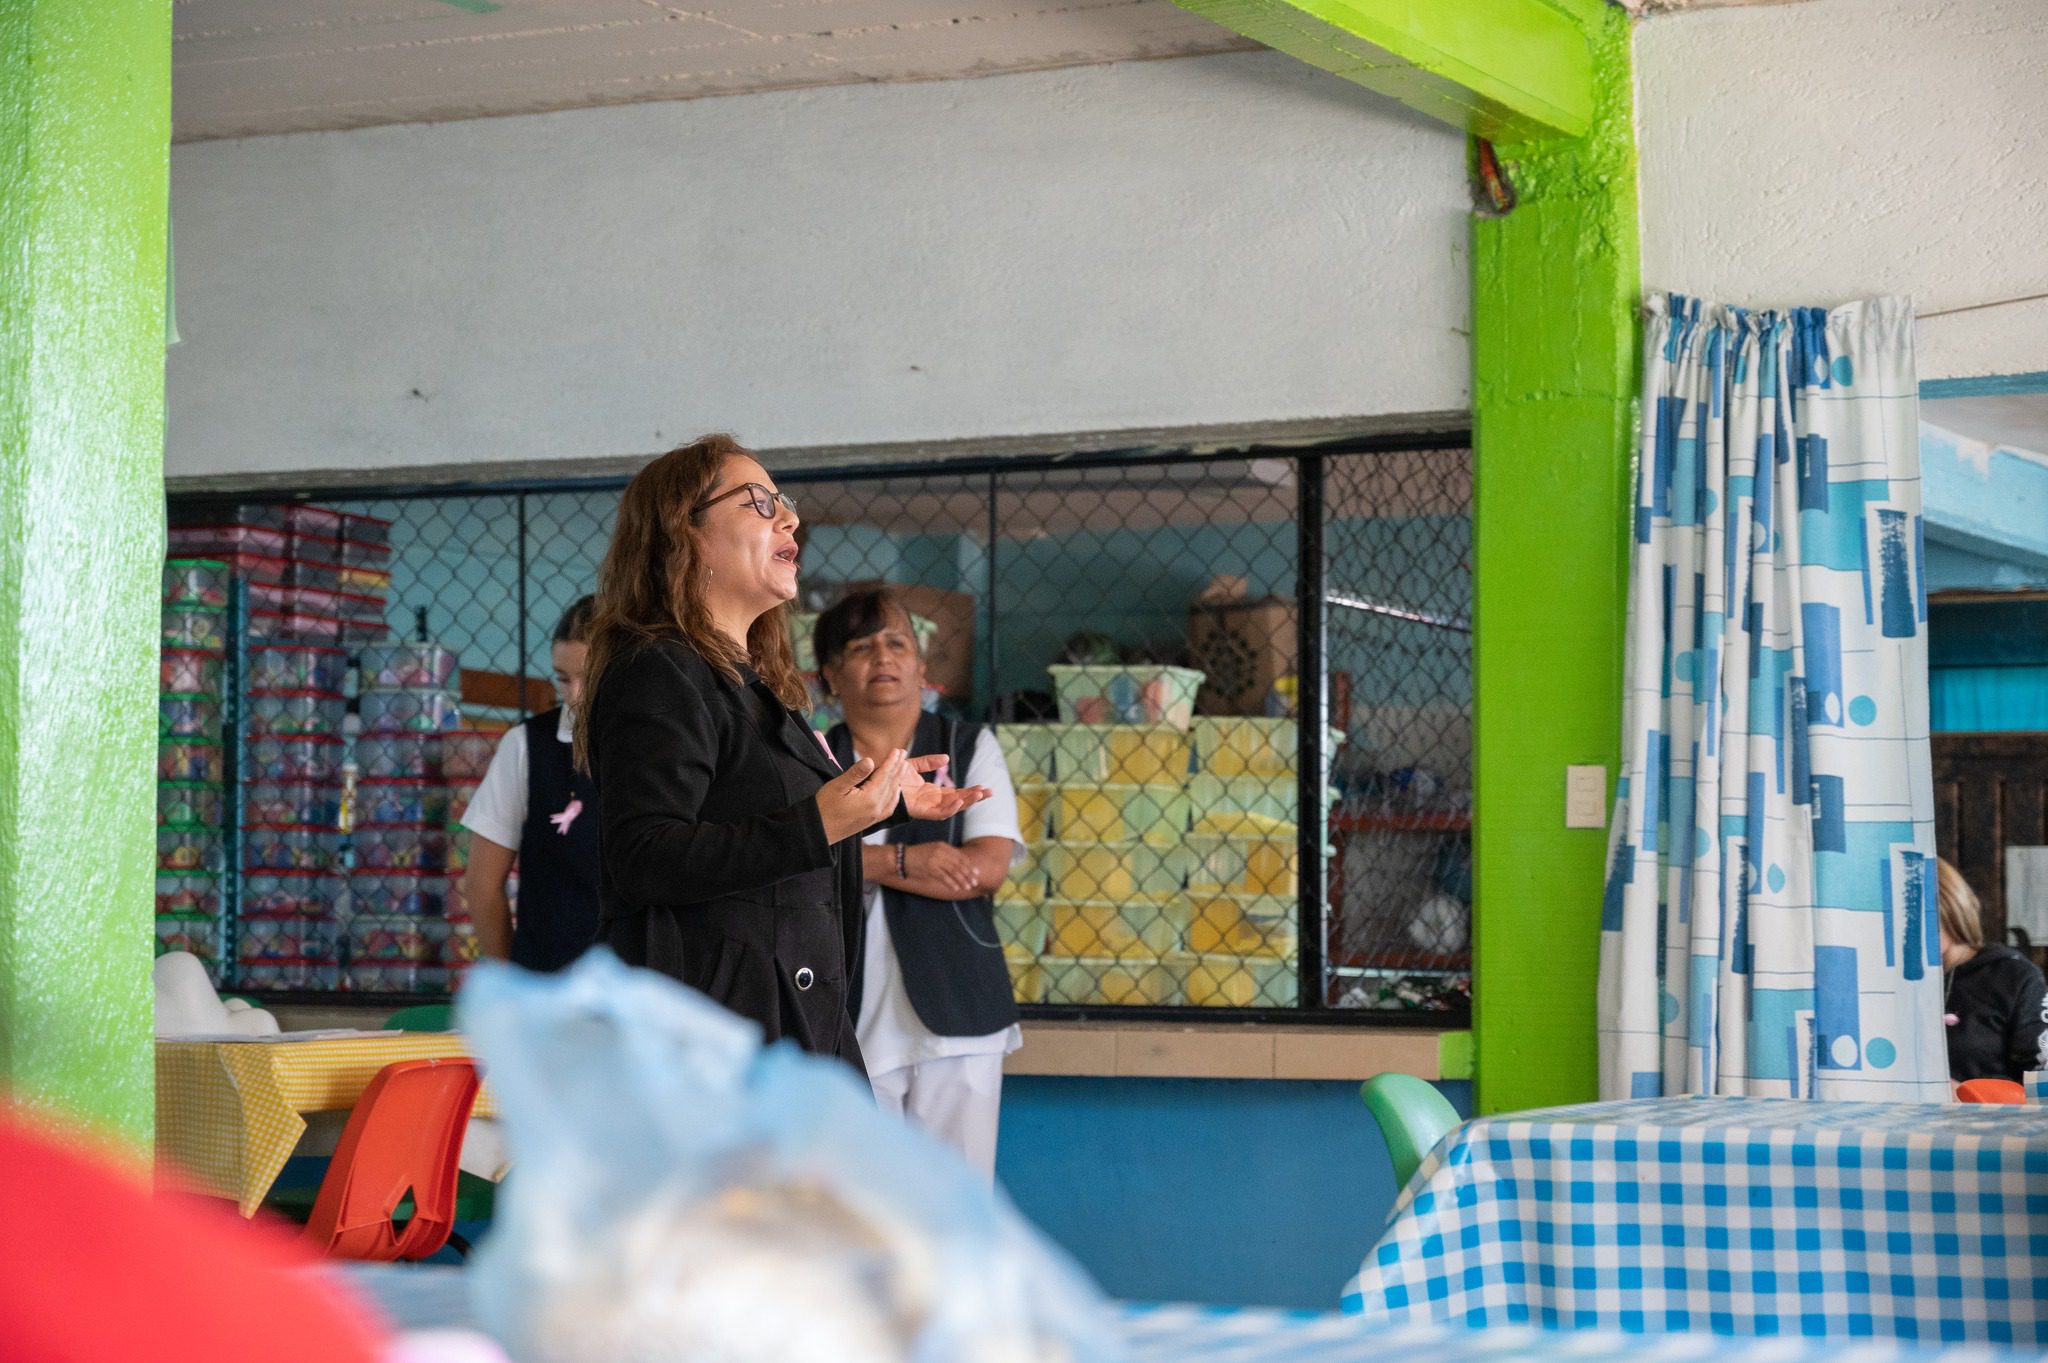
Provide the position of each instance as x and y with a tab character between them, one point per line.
1242	648
949	662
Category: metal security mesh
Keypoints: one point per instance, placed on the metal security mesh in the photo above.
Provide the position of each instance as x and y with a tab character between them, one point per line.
1129	630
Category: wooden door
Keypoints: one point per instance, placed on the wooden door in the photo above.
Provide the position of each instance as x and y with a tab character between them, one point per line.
1990	792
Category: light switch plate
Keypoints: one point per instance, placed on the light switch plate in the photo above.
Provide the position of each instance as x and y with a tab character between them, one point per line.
1585	797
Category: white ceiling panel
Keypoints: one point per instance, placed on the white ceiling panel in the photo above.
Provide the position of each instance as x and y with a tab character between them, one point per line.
250	67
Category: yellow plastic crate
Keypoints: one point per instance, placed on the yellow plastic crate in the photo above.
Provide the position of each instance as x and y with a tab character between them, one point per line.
1117	871
1035	802
1251	866
1118	813
1242	745
1027	751
1228	981
1276	798
1120	931
1244	925
1027	977
1100	981
1148	755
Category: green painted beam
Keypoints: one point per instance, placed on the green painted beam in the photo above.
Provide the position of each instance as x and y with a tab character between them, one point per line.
85	103
1506	70
1554	370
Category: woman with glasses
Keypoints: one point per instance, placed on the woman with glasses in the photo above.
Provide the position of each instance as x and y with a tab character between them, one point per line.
728	838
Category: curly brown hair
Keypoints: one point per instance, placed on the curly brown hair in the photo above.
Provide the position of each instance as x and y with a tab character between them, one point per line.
649	586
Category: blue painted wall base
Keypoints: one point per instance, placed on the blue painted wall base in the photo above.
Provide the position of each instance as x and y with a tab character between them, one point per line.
1230	1192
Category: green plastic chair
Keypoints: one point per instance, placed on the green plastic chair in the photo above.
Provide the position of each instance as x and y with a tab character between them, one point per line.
424	1017
1412	1116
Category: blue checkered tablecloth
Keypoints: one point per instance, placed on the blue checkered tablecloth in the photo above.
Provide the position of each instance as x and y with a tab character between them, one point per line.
1738	1216
437	1298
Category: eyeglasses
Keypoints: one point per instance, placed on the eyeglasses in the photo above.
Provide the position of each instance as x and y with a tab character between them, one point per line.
763	500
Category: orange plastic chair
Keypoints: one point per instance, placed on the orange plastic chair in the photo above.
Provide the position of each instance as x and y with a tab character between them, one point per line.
403	1140
1991	1091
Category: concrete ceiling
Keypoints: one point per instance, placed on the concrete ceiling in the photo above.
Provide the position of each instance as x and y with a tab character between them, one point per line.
249	67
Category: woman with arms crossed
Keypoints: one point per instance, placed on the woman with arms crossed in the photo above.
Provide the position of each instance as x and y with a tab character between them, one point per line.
728	837
933	1004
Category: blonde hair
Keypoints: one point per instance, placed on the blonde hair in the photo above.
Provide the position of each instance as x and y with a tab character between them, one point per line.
1961	916
649	586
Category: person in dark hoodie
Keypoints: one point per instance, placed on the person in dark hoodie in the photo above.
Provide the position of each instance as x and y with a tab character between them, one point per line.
1997	1009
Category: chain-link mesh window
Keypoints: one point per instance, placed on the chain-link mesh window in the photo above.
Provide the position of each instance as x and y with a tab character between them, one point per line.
1128	631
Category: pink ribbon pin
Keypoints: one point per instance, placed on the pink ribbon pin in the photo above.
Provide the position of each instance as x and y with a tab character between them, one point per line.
562	820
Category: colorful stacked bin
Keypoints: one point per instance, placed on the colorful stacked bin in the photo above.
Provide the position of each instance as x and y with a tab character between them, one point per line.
191	767
400	885
316	575
466	756
289	933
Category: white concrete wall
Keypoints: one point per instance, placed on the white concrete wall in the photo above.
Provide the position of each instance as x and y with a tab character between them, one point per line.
1234	239
1819	152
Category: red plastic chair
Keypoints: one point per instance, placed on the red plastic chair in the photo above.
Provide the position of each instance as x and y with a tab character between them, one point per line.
1991	1091
403	1138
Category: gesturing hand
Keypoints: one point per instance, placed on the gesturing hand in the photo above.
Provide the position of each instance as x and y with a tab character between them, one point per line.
926	800
861	796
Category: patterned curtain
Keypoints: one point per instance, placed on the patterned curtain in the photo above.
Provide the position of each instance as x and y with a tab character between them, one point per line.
1769	922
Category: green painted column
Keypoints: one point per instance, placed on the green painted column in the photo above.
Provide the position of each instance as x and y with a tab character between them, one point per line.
1554	316
85	103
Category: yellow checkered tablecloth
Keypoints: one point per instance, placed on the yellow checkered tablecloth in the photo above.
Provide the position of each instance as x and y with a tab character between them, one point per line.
228	1113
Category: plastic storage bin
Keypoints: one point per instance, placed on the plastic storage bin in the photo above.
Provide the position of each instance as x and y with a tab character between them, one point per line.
396	938
1023	926
1119	871
394	977
200	627
193	932
401	849
189	760
360	529
356	633
1026	881
388	893
1105	981
294	627
303	518
195	582
1221	981
1244	865
357	555
400	803
1126	694
189	803
282	803
196	892
1035	805
318	977
460	793
299	893
466	753
188	670
290	849
297	668
1123	931
1027	751
269	515
221	541
307	547
1123	754
188	849
1027	977
414	710
1244	925
455	898
287	937
188	717
369	581
1276	799
408	665
1117	813
410	757
295	713
307	758
461	948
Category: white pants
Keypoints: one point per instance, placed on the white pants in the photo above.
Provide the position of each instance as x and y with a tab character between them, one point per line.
956	1099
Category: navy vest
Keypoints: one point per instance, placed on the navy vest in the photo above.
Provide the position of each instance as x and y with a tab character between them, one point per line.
558	906
948	951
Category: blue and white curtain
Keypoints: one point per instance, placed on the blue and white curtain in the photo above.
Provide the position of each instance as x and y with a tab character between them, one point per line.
1769	922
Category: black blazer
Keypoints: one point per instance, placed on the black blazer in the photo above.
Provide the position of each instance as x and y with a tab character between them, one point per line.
713	864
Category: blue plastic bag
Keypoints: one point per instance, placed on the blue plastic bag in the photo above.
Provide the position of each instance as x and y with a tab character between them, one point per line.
681	1193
